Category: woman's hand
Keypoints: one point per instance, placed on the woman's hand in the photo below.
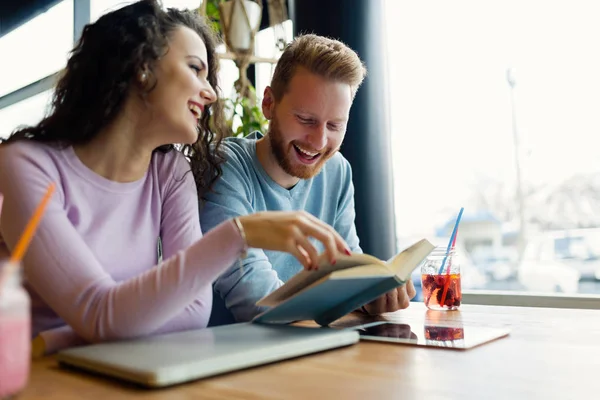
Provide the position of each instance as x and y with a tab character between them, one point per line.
289	232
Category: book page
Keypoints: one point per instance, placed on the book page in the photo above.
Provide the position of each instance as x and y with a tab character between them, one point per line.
362	271
406	261
343	261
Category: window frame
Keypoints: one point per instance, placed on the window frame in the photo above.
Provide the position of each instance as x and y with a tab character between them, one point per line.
81	17
507	298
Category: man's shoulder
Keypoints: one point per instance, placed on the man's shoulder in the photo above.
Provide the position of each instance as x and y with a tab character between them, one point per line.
338	166
339	160
238	172
239	154
239	149
233	191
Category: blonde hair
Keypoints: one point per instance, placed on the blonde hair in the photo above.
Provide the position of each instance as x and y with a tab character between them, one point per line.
328	58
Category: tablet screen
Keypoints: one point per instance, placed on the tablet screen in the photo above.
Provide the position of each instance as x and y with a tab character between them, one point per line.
463	337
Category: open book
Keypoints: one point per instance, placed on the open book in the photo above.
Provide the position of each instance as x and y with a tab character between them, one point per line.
333	291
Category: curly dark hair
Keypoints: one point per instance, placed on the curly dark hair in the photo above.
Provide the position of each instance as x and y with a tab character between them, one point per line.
101	69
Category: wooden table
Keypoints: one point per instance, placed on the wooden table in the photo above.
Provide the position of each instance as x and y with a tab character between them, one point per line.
550	354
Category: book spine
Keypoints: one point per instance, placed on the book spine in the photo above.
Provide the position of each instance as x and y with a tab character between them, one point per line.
358	301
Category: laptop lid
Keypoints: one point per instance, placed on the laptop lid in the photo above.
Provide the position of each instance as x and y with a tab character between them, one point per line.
174	358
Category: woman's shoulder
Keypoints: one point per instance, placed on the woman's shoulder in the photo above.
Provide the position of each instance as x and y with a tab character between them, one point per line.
24	153
169	162
27	167
170	167
24	146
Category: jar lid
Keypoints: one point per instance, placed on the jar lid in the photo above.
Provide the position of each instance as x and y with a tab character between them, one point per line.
10	274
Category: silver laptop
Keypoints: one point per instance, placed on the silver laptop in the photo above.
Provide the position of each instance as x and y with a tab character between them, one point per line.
180	357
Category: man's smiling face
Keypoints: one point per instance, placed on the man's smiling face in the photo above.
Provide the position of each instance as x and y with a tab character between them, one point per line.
308	124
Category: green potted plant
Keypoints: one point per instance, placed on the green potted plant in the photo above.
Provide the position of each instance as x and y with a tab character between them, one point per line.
244	114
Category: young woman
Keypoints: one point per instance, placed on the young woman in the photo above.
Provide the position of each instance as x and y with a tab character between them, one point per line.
139	81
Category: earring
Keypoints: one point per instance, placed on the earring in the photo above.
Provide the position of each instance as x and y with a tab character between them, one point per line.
143	77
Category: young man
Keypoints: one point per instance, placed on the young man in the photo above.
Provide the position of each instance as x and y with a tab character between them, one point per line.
295	166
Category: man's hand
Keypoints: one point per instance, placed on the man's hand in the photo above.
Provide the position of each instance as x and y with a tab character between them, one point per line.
393	300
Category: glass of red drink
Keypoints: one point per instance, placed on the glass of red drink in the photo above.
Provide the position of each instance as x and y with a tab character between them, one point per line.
440	280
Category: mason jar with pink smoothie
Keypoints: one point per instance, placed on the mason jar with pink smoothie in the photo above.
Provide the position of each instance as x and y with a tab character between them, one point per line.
15	332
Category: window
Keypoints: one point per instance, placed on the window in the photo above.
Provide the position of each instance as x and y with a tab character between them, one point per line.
36	49
26	112
266	43
451	65
50	39
229	72
100	7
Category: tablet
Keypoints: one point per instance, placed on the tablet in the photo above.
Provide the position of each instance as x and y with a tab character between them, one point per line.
462	338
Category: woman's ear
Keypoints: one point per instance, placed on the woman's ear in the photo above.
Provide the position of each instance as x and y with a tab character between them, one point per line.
143	76
268	103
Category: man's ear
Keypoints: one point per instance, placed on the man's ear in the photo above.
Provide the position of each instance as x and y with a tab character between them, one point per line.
268	103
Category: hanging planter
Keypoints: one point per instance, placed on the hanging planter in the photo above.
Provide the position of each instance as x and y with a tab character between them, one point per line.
240	20
237	22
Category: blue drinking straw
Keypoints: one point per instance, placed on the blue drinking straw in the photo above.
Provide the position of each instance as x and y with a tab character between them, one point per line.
451	239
